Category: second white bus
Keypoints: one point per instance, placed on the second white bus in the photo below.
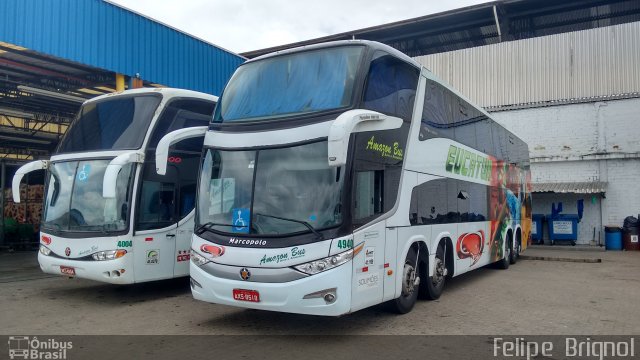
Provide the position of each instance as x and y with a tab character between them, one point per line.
108	216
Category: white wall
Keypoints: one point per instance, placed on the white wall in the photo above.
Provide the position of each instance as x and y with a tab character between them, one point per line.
598	141
565	132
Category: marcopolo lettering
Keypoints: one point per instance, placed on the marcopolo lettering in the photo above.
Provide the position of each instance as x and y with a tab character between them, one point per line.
248	242
465	163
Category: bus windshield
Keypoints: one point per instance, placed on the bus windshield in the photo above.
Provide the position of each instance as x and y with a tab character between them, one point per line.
292	84
74	199
271	191
117	123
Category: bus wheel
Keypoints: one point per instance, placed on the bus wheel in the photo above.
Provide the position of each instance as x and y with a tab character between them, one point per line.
506	260
515	253
410	285
432	287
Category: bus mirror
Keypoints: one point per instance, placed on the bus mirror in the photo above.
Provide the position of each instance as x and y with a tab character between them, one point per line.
113	169
354	121
26	168
162	150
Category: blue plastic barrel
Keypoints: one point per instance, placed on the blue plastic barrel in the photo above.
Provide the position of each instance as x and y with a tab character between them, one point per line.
612	238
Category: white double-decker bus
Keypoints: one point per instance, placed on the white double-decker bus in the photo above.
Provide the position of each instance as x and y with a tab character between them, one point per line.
108	216
343	175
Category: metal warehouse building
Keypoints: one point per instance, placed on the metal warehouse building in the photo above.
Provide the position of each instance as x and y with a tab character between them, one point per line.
563	76
56	54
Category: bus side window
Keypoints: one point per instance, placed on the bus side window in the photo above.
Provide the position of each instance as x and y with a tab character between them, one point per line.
157	202
429	203
478	202
179	114
183	156
436	121
188	166
499	137
465	118
483	136
463	197
369	195
391	86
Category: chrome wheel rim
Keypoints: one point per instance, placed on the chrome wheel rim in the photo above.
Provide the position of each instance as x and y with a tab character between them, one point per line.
438	275
408	280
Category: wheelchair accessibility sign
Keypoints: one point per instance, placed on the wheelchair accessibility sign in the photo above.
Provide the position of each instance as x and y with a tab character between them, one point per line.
83	174
240	220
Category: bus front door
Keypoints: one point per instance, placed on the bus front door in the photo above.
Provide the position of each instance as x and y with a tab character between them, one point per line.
154	253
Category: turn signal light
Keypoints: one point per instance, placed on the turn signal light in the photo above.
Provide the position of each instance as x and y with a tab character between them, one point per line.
109	254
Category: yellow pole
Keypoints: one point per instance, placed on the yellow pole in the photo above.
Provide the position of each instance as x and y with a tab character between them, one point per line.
119	82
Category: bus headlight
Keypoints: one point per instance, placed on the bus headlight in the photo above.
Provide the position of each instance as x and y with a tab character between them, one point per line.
45	250
197	258
109	254
330	262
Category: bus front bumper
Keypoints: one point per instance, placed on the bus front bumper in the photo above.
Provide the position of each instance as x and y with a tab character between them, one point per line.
118	271
302	296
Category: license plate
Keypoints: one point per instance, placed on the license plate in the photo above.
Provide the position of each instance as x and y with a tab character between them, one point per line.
68	270
246	295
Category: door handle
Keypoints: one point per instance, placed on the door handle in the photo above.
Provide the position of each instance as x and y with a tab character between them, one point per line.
171	235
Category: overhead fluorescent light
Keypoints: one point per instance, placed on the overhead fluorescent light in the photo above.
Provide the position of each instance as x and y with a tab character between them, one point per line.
11	46
104	88
16	113
90	91
51	94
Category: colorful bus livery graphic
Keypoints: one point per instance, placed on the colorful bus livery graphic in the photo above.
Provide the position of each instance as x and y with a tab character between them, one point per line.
471	245
466	163
509	198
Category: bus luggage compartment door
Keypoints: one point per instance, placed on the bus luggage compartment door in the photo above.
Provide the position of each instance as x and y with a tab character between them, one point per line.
368	266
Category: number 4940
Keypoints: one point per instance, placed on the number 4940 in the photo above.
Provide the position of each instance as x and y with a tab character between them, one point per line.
345	244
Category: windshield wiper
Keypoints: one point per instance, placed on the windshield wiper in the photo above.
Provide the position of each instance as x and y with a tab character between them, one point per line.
209	225
306	224
58	226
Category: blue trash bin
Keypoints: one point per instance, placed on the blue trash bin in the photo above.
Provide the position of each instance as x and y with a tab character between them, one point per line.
536	227
563	227
612	237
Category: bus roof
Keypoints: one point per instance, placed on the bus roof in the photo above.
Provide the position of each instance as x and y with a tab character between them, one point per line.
165	92
370	44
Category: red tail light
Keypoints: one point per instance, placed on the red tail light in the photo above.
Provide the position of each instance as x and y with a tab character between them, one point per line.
45	240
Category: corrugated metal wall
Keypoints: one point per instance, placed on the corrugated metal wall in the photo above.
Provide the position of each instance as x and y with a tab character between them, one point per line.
584	64
100	34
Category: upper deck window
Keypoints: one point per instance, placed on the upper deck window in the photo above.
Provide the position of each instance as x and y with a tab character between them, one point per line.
291	84
116	123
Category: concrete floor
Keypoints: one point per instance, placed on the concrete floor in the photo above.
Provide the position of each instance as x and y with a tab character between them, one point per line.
531	297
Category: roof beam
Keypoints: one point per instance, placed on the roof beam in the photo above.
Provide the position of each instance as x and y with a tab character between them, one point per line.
33	55
41	71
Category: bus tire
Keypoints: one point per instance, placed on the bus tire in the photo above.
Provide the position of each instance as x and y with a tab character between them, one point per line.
515	253
506	260
409	294
431	287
